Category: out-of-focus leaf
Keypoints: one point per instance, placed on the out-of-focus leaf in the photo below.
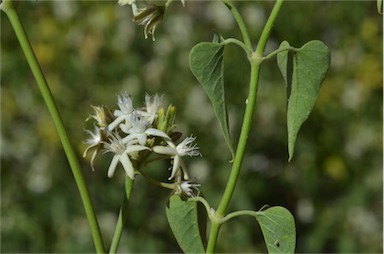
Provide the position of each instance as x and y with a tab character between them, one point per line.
206	63
183	220
278	227
303	75
380	6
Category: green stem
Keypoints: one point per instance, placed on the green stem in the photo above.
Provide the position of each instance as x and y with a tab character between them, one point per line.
123	215
267	28
170	186
238	43
255	69
46	93
213	234
273	53
240	23
239	213
255	61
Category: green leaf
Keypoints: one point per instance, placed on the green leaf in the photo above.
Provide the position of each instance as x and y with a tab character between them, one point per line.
183	219
278	227
303	71
206	63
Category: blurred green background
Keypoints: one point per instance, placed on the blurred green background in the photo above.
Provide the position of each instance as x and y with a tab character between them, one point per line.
90	51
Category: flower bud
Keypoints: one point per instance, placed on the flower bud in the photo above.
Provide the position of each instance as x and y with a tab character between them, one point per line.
103	116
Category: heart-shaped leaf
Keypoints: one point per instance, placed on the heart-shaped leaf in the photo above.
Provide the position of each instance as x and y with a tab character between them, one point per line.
303	70
206	63
184	221
278	227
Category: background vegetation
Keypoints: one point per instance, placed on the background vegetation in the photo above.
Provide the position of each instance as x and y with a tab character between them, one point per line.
91	51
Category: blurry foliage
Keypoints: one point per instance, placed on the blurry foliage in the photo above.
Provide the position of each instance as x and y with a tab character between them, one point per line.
91	51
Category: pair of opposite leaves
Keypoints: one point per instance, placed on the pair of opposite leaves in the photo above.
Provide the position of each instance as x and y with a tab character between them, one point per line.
303	70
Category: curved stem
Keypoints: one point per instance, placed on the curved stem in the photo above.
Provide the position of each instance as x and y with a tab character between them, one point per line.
238	43
123	215
205	203
267	28
240	23
255	68
229	189
46	93
275	52
238	213
170	186
255	61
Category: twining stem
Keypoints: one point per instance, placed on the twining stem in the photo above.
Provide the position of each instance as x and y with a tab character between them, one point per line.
274	53
8	8
238	43
267	28
240	23
123	215
255	60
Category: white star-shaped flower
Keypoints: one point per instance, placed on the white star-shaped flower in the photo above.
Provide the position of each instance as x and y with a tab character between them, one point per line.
139	130
125	103
121	151
189	188
95	141
152	106
182	149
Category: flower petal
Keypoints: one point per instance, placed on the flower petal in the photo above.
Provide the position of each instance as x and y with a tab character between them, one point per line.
116	122
112	166
142	138
129	138
176	166
127	164
157	133
136	148
164	150
93	158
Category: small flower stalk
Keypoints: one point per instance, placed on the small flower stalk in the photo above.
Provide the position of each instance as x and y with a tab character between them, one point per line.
138	136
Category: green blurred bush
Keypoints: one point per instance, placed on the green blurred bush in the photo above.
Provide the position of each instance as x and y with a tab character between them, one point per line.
91	51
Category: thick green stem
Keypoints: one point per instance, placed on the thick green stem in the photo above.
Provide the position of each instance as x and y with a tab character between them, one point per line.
255	60
123	215
251	101
213	234
46	93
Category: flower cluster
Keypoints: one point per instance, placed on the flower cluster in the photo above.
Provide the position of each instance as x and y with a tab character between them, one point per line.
132	135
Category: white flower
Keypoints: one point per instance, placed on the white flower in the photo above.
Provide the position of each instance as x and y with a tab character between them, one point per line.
139	130
182	149
94	141
188	188
152	106
153	103
125	103
149	17
121	152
